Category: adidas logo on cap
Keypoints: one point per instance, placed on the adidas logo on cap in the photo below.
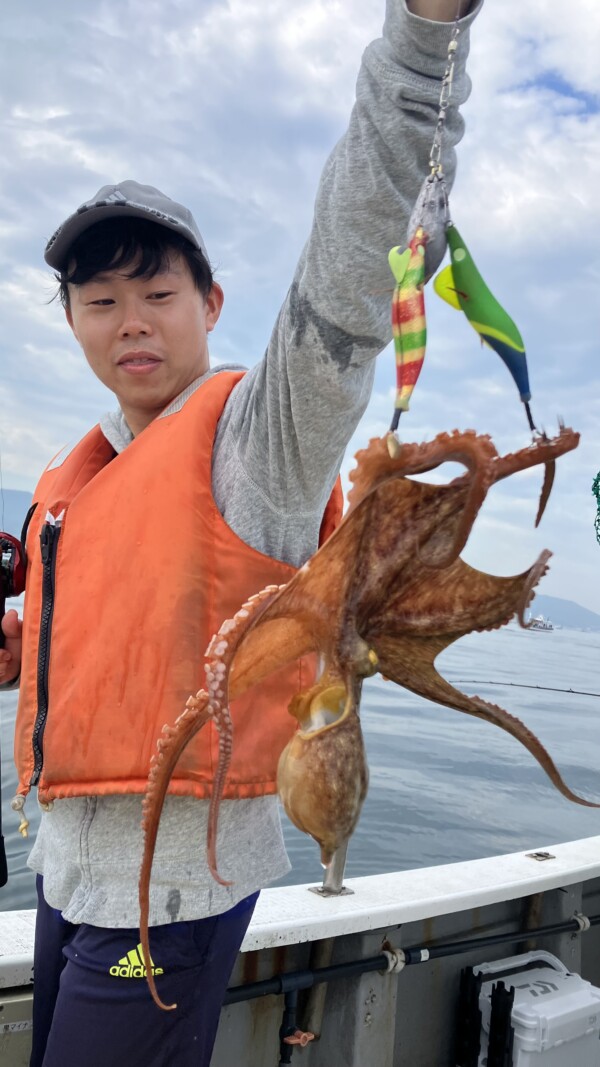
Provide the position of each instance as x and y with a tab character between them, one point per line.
132	966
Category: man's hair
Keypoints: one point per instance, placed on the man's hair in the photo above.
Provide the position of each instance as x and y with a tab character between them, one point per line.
143	246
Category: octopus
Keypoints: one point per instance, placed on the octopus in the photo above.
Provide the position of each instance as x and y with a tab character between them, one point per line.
387	593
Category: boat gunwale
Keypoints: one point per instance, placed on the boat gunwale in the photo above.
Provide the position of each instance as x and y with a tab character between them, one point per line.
287	915
291	914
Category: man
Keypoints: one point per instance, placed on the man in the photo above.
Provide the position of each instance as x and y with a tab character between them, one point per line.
202	488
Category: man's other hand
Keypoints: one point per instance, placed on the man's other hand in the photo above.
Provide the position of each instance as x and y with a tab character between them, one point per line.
10	654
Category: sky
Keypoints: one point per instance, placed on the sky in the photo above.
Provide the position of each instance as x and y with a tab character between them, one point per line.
231	107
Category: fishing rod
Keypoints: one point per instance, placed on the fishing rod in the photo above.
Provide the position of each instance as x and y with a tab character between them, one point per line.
523	685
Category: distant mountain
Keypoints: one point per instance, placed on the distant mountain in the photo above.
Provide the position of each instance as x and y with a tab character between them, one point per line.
14	505
565	613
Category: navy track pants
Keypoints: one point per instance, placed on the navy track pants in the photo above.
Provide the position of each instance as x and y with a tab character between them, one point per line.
91	1003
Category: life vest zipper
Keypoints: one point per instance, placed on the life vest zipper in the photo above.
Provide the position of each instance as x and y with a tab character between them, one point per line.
49	536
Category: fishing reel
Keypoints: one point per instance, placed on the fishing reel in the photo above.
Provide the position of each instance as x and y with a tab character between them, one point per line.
12	572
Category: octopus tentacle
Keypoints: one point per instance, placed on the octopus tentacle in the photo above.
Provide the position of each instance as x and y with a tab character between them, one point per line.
496	715
433	686
170	746
541	450
374	464
220	654
476	453
537	572
549	473
460	600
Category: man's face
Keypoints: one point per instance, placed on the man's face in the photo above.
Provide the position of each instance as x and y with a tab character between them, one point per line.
145	339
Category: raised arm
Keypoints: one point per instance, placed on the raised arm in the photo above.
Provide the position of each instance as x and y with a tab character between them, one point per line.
288	423
372	178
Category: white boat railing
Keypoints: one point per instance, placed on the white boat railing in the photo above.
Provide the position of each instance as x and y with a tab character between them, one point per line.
292	915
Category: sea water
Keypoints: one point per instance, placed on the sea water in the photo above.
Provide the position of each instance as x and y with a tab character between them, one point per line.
443	786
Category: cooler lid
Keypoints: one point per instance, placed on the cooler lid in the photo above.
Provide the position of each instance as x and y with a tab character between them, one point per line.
549	1007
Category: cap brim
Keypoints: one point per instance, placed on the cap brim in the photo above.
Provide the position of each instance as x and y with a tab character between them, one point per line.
57	249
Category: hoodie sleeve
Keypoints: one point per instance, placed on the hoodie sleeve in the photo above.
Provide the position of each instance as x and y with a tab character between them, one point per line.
283	434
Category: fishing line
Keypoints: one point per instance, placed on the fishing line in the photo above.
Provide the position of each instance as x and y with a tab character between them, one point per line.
522	685
435	154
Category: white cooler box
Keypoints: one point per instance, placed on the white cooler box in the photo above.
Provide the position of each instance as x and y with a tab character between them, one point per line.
555	1014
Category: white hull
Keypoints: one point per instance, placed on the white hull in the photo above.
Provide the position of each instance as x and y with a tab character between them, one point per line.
387	1020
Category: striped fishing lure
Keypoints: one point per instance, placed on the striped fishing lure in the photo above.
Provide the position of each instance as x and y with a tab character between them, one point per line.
408	318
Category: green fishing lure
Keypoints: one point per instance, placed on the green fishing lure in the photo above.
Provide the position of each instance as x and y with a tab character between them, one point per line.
461	285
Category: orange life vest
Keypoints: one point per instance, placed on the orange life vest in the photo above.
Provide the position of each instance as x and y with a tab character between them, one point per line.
144	571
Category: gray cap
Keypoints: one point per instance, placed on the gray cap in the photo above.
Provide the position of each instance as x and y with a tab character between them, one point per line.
125	199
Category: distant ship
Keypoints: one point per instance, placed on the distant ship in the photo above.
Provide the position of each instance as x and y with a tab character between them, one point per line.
540	623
